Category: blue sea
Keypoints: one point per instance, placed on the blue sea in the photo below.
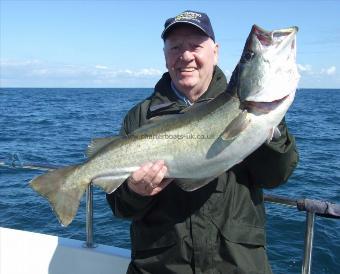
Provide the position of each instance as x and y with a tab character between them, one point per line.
55	126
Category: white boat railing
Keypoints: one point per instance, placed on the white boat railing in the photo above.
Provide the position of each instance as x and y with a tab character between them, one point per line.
312	208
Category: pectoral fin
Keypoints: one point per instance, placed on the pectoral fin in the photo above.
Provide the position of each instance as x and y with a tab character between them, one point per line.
274	134
109	183
236	126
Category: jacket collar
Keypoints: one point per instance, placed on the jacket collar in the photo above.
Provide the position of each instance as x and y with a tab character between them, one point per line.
165	101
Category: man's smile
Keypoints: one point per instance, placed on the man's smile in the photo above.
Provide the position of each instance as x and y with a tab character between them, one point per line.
186	69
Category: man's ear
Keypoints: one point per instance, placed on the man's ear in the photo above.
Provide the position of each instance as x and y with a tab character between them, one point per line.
164	54
216	51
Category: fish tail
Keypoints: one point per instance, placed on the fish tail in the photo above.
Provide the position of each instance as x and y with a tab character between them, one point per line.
54	186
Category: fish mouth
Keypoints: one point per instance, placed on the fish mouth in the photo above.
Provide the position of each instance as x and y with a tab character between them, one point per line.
268	38
263	107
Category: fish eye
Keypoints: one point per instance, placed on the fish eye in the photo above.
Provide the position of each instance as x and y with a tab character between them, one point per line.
247	56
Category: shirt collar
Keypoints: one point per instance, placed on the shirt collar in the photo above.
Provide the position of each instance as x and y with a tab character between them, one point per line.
180	95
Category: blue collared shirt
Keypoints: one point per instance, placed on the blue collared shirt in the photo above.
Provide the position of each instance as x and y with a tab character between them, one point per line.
180	95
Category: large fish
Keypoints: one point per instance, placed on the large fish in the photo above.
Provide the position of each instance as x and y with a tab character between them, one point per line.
199	144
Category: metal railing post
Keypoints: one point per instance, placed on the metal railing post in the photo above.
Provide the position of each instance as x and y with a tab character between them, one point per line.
89	217
309	235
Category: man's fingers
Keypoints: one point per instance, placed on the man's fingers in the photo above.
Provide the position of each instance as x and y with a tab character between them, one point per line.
159	177
149	180
154	173
140	173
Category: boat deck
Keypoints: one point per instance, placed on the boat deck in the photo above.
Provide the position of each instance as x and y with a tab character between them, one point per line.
23	252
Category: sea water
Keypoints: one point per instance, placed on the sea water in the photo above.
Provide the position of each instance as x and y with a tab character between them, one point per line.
55	126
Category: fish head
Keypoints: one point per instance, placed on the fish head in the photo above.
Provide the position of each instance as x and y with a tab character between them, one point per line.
267	70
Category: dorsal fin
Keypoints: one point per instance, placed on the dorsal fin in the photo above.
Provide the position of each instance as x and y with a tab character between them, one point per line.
98	143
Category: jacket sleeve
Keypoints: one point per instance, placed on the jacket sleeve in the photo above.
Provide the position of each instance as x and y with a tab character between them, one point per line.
272	164
124	202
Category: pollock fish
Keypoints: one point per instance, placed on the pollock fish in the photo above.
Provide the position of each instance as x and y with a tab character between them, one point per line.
200	143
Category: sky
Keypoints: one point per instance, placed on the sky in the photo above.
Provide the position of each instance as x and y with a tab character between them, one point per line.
111	43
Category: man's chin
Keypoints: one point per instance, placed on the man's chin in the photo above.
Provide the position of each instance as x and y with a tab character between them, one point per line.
185	85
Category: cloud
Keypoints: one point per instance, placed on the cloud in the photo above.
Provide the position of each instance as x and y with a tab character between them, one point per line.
318	77
308	69
329	71
38	73
100	67
148	72
33	72
304	68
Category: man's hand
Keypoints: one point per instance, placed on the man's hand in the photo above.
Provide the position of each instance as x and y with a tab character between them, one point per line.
149	180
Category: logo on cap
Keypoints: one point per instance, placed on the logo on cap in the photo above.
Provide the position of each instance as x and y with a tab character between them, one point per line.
188	15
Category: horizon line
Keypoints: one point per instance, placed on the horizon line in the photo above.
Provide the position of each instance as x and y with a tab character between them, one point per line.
125	88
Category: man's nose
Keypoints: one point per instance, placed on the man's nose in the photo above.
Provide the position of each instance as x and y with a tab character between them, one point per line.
187	55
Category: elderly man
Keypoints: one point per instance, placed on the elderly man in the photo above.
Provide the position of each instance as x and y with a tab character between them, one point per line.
219	228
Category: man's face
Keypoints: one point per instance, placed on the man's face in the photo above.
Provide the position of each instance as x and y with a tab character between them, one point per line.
190	58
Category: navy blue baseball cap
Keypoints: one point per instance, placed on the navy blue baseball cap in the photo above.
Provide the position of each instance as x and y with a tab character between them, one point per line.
194	18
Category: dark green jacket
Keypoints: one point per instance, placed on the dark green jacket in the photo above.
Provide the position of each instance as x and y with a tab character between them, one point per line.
219	228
